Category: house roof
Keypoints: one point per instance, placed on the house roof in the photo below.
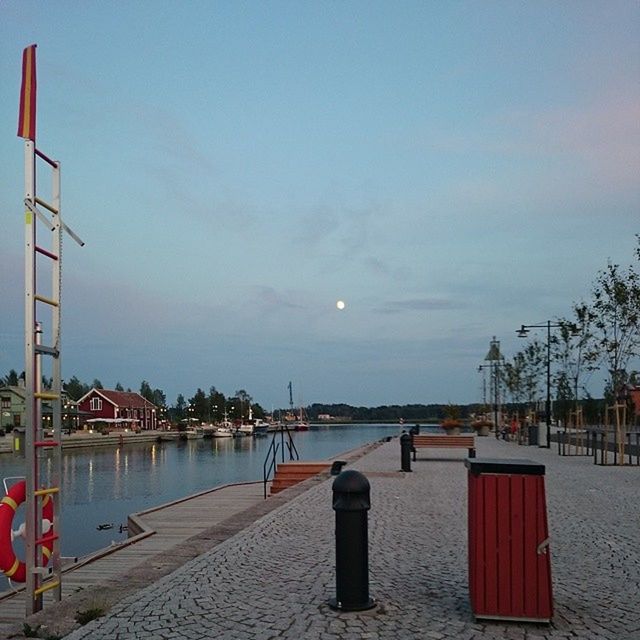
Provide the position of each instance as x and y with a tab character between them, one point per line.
121	398
19	391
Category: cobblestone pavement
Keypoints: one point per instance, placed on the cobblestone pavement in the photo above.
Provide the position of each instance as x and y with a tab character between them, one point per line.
274	578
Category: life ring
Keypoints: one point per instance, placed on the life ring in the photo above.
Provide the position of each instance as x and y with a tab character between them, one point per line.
9	563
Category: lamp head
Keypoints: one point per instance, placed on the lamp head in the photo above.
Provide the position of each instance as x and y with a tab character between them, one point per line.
522	332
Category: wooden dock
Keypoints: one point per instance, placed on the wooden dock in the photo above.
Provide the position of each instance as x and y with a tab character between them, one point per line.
156	548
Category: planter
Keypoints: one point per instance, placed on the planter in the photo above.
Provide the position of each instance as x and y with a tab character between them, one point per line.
451	429
482	428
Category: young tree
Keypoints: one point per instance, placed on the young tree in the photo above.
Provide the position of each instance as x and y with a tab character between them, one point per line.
615	309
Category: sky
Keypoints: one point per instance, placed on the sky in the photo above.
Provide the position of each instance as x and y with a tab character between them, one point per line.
450	170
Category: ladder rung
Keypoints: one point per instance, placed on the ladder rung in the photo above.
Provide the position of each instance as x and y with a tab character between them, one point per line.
46	539
53	163
46	443
43	395
46	587
44	252
45	492
53	303
46	205
50	351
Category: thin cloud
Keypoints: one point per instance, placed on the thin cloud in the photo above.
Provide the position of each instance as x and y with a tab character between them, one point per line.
418	304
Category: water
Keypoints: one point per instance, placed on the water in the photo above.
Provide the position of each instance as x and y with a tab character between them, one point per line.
106	484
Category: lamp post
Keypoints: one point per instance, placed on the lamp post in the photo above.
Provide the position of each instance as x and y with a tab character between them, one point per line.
522	333
494	357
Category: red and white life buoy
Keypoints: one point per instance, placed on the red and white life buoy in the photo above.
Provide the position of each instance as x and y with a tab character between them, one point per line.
13	567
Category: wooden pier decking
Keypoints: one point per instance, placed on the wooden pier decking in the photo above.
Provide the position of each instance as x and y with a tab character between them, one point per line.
156	549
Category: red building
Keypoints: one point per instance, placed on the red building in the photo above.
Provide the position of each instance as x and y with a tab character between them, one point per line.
119	408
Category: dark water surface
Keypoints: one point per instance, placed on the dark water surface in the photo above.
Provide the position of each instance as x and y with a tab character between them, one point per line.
106	484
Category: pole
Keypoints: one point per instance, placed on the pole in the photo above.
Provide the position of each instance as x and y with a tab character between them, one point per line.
548	403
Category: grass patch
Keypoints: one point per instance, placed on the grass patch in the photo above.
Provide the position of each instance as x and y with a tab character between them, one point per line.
86	616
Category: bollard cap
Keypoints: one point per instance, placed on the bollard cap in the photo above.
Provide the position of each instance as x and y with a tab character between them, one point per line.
351	492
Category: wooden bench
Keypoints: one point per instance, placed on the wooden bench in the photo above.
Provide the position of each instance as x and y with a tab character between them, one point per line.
443	442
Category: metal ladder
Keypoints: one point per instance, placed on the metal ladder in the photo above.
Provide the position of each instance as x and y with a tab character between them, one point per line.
40	578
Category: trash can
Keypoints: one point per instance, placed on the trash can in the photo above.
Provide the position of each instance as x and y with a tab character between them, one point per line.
509	562
533	434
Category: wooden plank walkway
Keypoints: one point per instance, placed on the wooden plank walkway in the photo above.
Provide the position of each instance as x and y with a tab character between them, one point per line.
161	529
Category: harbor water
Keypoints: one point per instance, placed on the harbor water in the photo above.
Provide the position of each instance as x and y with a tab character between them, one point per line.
101	486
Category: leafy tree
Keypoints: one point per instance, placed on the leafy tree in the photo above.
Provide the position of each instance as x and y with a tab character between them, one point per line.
96	384
179	408
146	391
11	379
615	312
243	399
75	389
216	404
199	405
159	398
119	387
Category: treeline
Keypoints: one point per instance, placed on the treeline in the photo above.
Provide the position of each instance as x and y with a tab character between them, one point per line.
390	413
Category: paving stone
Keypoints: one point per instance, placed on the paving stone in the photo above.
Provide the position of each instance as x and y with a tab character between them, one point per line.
274	578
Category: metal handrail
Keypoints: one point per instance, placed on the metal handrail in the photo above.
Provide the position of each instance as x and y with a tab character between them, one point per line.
271	459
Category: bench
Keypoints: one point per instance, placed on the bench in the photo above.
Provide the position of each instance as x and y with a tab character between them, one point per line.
443	442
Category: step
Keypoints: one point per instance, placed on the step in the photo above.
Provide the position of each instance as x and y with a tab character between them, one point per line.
289	474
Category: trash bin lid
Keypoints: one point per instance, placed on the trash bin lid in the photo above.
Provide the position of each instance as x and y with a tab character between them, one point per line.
497	465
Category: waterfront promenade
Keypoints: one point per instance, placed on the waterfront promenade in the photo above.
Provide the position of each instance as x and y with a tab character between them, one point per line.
272	579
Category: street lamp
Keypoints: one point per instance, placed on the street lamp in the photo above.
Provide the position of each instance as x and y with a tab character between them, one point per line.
522	333
495	359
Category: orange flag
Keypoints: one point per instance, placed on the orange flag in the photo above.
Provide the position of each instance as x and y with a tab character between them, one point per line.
27	116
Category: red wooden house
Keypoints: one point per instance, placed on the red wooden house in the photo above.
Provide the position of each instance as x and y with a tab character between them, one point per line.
118	408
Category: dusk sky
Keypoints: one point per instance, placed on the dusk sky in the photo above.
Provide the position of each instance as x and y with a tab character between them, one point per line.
450	170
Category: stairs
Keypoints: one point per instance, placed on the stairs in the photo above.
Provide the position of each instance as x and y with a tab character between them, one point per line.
289	474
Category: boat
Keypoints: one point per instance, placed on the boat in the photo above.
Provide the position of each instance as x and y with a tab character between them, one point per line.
300	423
245	429
222	431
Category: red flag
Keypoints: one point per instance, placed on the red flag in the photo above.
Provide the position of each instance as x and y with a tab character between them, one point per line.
27	116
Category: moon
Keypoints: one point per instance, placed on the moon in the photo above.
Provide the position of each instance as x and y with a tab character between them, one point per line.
340	305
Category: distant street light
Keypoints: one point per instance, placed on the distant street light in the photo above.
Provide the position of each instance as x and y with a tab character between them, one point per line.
522	332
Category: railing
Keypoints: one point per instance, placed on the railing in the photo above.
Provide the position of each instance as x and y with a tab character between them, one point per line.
575	442
271	459
607	445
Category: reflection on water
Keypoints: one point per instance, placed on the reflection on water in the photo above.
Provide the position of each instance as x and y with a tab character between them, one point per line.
106	484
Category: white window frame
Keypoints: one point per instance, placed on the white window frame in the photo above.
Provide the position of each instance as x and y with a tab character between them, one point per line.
95	404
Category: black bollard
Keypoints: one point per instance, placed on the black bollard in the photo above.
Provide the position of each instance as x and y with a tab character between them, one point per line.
405	452
351	502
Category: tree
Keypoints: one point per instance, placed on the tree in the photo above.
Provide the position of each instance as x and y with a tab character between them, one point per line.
216	404
179	408
199	405
11	379
243	399
96	384
75	389
615	310
146	391
159	398
119	387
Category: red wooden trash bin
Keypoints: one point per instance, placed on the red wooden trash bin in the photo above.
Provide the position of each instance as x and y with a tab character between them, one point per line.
509	562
